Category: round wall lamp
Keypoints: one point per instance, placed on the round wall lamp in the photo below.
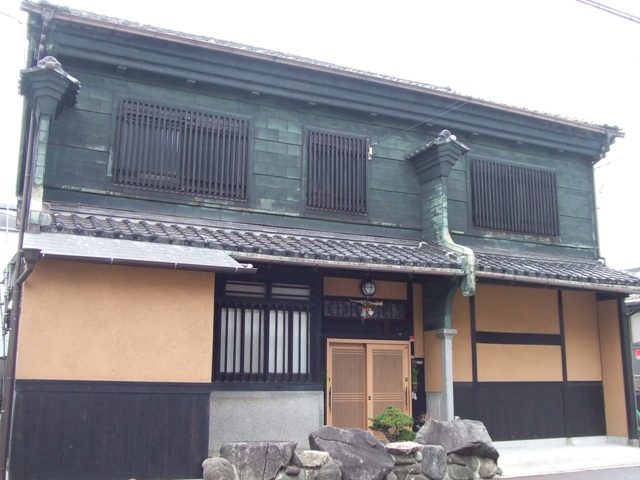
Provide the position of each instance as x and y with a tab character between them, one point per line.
368	287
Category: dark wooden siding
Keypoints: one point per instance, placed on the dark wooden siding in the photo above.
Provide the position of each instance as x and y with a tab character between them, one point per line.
105	430
530	410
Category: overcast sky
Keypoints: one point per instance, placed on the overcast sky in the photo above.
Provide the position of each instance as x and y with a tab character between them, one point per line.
556	56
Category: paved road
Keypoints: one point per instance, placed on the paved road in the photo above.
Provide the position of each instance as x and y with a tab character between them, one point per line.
626	473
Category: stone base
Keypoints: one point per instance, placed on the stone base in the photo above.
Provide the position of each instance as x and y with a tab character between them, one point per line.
242	416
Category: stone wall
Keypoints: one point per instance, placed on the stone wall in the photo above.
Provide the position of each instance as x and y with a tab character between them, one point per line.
354	454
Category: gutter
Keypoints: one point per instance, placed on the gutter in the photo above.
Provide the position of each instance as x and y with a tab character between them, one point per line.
154	264
371	267
602	287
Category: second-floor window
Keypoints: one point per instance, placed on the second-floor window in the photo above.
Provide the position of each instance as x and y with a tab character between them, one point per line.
182	151
514	198
337	173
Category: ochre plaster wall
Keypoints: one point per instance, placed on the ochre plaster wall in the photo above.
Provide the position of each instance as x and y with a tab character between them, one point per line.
433	362
516	309
582	337
612	373
519	363
460	320
83	321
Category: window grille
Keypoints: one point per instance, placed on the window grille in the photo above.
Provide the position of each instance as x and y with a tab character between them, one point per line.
263	333
337	178
514	198
181	151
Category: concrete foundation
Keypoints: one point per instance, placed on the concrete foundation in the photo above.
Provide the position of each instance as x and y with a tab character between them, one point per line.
263	416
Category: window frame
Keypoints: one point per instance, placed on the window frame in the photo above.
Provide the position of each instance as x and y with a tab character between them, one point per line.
535	220
197	177
360	201
277	314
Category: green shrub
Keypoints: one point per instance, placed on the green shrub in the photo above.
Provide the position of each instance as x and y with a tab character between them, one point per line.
394	424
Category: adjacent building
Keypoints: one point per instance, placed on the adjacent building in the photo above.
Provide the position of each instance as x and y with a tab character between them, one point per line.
224	243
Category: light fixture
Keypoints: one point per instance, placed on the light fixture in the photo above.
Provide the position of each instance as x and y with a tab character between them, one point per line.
368	287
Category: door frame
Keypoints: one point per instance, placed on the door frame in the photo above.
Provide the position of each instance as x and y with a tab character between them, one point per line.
369	397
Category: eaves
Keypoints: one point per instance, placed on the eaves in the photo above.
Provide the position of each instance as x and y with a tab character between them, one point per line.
318	83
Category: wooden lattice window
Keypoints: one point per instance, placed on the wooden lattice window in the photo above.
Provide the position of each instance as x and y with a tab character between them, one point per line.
337	173
514	198
263	333
182	151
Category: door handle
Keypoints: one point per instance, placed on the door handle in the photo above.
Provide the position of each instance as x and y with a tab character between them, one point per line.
406	397
329	398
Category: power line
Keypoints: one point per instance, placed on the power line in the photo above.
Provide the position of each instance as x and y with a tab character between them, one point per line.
455	105
11	17
611	10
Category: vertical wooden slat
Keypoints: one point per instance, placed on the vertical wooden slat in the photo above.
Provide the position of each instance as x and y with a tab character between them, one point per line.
514	198
181	150
336	177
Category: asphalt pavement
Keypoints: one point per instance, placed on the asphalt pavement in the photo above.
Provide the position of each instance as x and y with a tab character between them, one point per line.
626	473
589	458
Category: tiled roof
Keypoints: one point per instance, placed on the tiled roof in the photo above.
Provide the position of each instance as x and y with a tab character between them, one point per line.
552	270
244	242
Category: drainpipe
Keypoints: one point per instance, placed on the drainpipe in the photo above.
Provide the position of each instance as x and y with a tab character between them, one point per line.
16	300
432	165
47	89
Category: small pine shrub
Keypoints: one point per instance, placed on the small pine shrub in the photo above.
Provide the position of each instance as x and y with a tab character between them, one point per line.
394	424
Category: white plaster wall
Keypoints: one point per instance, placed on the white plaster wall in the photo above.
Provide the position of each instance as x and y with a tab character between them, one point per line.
635	327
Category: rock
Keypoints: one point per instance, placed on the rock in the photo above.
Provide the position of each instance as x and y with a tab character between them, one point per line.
403	459
434	462
216	468
403	448
407	471
258	460
358	454
488	468
329	471
459	472
454	459
292	470
391	476
464	437
418	455
473	463
312	458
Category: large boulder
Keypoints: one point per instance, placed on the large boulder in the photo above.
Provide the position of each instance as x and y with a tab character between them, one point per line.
258	460
463	437
358	454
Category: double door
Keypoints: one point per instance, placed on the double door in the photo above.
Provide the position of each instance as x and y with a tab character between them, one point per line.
364	377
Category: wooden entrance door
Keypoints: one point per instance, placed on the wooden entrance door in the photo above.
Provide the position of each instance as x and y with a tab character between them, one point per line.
364	377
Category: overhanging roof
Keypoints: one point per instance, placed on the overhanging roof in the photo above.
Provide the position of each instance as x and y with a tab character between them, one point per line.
555	271
252	243
269	244
125	252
